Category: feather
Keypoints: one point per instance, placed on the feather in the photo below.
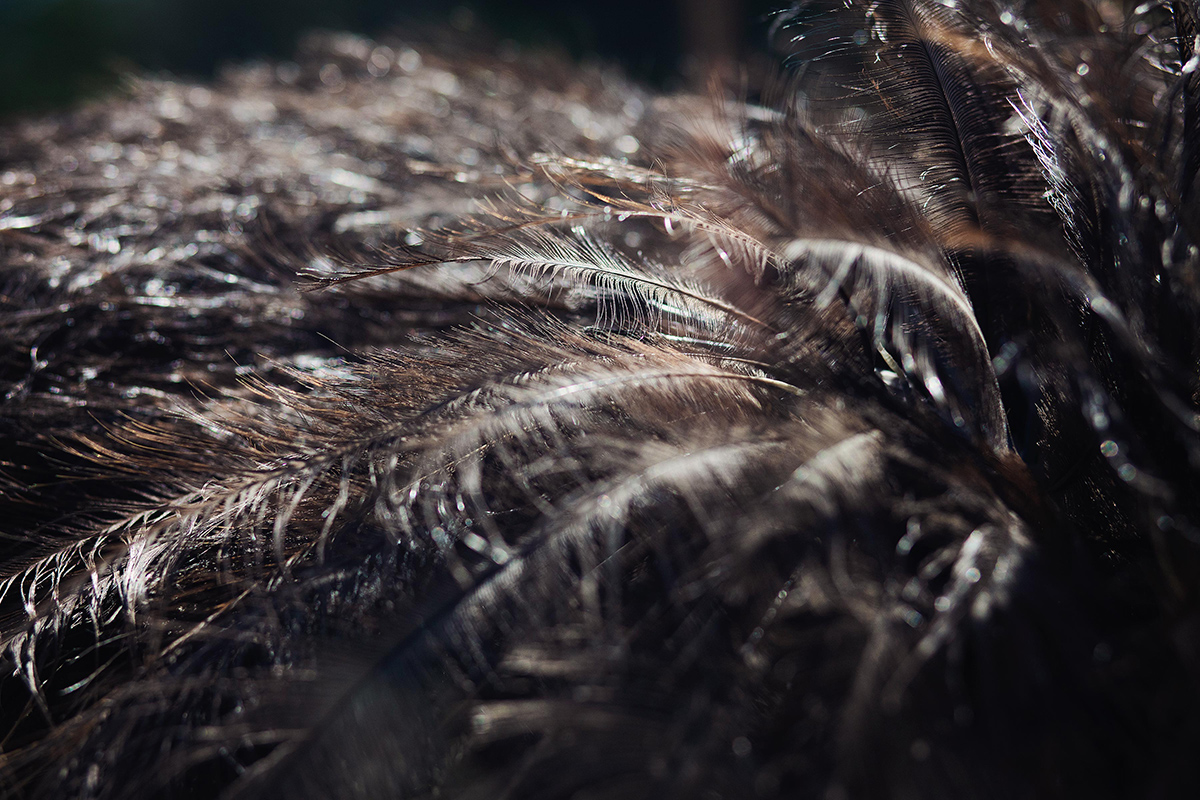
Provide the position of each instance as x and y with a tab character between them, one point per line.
840	441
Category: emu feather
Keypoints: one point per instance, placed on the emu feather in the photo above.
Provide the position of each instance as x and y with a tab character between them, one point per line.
841	441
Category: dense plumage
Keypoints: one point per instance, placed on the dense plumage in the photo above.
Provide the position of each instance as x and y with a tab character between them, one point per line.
408	422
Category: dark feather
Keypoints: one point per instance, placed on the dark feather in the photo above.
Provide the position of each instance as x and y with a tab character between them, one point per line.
486	428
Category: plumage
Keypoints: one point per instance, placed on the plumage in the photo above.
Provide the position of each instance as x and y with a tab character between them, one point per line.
409	422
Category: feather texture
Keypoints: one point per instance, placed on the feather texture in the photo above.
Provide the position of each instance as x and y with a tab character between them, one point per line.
496	428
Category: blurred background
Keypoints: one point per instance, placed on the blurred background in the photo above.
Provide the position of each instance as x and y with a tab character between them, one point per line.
56	52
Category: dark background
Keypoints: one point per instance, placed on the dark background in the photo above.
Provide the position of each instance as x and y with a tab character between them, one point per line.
55	52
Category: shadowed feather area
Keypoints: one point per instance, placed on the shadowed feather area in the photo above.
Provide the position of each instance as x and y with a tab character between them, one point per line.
403	421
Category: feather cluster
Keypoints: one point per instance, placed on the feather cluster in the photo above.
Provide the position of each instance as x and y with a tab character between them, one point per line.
408	422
